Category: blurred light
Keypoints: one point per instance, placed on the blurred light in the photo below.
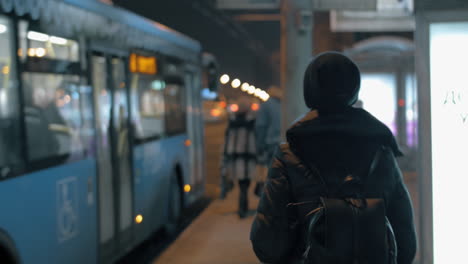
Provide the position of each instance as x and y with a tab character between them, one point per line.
255	107
401	102
187	188
31	52
3	28
245	87
265	97
6	70
215	112
158	85
20	52
32	35
235	83
138	219
224	79
58	41
234	108
188	143
40	52
208	94
258	92
222	104
251	89
67	99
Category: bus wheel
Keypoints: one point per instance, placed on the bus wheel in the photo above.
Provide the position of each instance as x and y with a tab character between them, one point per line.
175	204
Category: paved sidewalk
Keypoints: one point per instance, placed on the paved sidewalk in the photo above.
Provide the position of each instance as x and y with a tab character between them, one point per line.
217	236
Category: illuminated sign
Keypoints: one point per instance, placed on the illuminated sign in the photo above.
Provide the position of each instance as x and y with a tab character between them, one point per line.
143	64
449	139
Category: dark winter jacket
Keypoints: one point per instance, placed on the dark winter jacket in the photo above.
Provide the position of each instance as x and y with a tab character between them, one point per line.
337	145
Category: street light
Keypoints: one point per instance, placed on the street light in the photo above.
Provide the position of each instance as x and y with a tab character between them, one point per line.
258	92
224	79
251	89
235	83
245	87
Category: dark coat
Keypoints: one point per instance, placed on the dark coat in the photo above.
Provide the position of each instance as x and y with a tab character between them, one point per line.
337	145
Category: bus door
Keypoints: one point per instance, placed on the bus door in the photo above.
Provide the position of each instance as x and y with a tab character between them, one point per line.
195	128
113	147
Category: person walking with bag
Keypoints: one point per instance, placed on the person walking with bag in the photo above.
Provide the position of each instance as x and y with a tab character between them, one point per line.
239	157
334	192
267	131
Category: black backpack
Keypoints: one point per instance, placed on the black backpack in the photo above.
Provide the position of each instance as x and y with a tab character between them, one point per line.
348	228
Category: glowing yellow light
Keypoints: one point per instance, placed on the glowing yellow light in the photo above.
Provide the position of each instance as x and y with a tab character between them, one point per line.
224	79
251	89
215	112
245	86
31	52
6	70
187	188
20	52
138	219
40	52
235	83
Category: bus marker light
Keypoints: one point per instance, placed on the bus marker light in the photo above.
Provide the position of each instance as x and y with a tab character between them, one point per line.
187	188
188	143
138	219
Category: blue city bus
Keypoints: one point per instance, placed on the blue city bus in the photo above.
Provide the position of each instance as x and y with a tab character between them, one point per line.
101	130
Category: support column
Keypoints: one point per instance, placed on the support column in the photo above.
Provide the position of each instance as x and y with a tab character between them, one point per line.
296	53
401	106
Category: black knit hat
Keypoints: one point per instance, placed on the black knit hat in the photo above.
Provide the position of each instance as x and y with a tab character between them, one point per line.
331	82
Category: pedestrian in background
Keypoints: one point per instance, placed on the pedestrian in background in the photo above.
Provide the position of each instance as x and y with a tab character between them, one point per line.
267	132
334	192
239	149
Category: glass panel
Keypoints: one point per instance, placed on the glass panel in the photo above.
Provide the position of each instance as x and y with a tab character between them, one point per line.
122	147
103	114
53	116
411	111
449	128
175	108
148	105
10	141
378	96
52	47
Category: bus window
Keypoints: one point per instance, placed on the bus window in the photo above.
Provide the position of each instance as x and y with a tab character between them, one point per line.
175	109
53	115
41	45
9	116
148	105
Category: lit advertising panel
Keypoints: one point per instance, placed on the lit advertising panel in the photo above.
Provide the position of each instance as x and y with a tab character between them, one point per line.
449	127
378	97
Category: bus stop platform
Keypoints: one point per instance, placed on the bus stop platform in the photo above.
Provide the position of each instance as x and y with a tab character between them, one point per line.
217	236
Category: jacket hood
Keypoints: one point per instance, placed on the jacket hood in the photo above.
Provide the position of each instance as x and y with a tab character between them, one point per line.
328	138
331	82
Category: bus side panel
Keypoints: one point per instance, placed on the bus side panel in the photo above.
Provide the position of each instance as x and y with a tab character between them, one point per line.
154	163
51	214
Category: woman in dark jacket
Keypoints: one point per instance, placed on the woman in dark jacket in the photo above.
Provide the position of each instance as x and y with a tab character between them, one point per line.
338	140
